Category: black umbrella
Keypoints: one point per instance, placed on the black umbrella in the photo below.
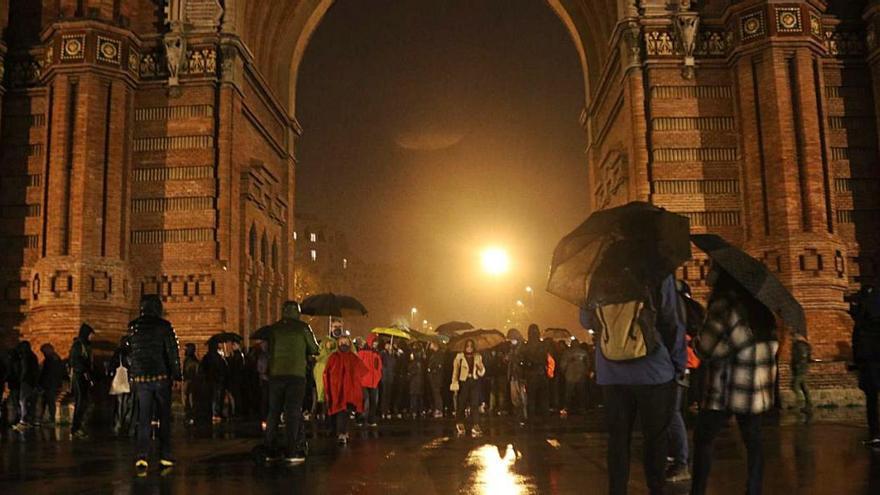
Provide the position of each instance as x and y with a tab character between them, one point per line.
755	278
483	339
557	334
616	254
223	337
332	305
453	327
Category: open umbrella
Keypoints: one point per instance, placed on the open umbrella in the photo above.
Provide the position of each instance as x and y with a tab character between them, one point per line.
392	332
450	328
483	339
223	337
332	305
755	278
557	334
616	254
427	337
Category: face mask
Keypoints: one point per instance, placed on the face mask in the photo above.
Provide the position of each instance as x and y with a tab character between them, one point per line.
344	348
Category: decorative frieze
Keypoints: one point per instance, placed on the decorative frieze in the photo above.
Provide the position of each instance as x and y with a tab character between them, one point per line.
858	216
714	43
23	72
854	154
173	112
73	47
851	122
847	91
752	25
857	185
108	51
24	121
841	43
157	205
161	174
695	154
172	236
693	123
20	211
692	92
659	43
180	288
712	218
788	20
174	143
18	242
693	186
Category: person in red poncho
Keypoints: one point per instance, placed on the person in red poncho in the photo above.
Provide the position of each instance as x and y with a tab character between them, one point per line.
342	386
370	381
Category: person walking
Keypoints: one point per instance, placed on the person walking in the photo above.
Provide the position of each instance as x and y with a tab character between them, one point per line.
28	379
235	382
436	361
800	363
51	380
81	382
188	387
638	384
516	377
574	366
342	383
370	381
155	364
416	376
866	354
120	364
291	342
467	369
532	361
738	344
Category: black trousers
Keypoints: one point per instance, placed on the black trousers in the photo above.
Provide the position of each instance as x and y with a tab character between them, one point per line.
286	394
468	396
536	395
436	382
573	392
371	404
387	395
709	425
48	406
154	399
653	405
80	388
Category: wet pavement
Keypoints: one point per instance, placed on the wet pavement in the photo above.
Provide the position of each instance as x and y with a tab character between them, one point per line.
823	456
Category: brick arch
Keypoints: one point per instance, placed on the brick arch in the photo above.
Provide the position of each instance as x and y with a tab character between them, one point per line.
591	24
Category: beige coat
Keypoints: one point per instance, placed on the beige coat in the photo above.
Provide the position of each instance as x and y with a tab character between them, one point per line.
461	371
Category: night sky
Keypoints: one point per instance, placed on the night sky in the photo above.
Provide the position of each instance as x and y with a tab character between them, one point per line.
433	128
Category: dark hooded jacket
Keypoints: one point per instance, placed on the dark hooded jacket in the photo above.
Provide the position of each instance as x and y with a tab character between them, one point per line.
80	359
30	367
532	356
52	373
154	349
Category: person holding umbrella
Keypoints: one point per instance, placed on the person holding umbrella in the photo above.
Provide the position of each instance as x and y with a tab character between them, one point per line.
467	369
291	341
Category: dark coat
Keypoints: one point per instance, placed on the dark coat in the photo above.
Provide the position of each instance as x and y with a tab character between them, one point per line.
80	357
575	364
29	371
416	375
389	366
214	367
154	348
53	372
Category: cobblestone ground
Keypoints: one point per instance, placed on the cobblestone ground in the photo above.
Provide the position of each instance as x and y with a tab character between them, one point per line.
823	456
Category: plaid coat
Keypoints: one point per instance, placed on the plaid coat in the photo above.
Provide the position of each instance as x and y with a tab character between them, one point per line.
742	370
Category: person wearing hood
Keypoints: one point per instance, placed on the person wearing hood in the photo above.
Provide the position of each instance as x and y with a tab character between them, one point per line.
155	365
291	343
389	370
215	371
51	379
370	381
81	382
328	347
467	369
436	362
342	383
28	378
516	376
190	376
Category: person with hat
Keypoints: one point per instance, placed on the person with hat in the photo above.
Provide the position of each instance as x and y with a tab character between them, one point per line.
81	382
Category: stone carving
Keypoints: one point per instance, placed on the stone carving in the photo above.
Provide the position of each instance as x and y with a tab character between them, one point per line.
611	178
816	26
200	61
714	43
152	65
659	43
752	25
24	72
788	20
73	47
811	261
687	24
133	62
632	48
108	51
175	47
844	43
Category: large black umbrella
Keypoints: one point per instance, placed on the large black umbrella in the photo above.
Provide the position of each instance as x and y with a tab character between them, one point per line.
428	337
556	334
222	337
617	254
483	339
332	305
755	278
451	328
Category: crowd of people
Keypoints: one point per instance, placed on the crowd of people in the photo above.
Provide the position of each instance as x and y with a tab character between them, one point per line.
672	354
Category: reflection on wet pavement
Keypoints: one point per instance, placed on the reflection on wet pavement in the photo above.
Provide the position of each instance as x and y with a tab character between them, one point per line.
426	458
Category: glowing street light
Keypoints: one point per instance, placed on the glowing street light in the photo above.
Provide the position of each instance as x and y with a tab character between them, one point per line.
495	261
520	303
412	316
529	289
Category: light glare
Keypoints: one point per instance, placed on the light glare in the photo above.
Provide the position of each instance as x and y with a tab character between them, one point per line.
495	261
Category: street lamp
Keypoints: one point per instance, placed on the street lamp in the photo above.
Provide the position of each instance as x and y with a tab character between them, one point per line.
424	324
520	303
412	316
495	261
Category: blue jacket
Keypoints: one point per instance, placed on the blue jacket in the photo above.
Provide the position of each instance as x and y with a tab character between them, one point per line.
662	365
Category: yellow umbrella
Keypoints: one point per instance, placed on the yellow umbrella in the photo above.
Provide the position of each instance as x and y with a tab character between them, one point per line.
392	332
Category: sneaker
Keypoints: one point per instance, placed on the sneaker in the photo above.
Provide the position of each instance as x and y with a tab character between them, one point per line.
166	461
438	414
297	458
476	431
373	425
873	443
21	427
141	464
342	439
677	473
459	429
80	435
563	413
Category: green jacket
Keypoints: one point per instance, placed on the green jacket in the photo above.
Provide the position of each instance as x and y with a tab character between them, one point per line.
290	343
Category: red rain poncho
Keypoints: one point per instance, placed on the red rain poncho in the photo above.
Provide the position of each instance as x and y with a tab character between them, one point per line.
342	382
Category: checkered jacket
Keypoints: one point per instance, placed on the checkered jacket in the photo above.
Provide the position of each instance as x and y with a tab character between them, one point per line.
742	370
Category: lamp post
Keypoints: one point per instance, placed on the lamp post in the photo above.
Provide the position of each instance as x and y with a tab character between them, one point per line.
412	316
424	325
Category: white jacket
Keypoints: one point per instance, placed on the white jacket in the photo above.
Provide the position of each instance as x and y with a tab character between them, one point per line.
461	371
